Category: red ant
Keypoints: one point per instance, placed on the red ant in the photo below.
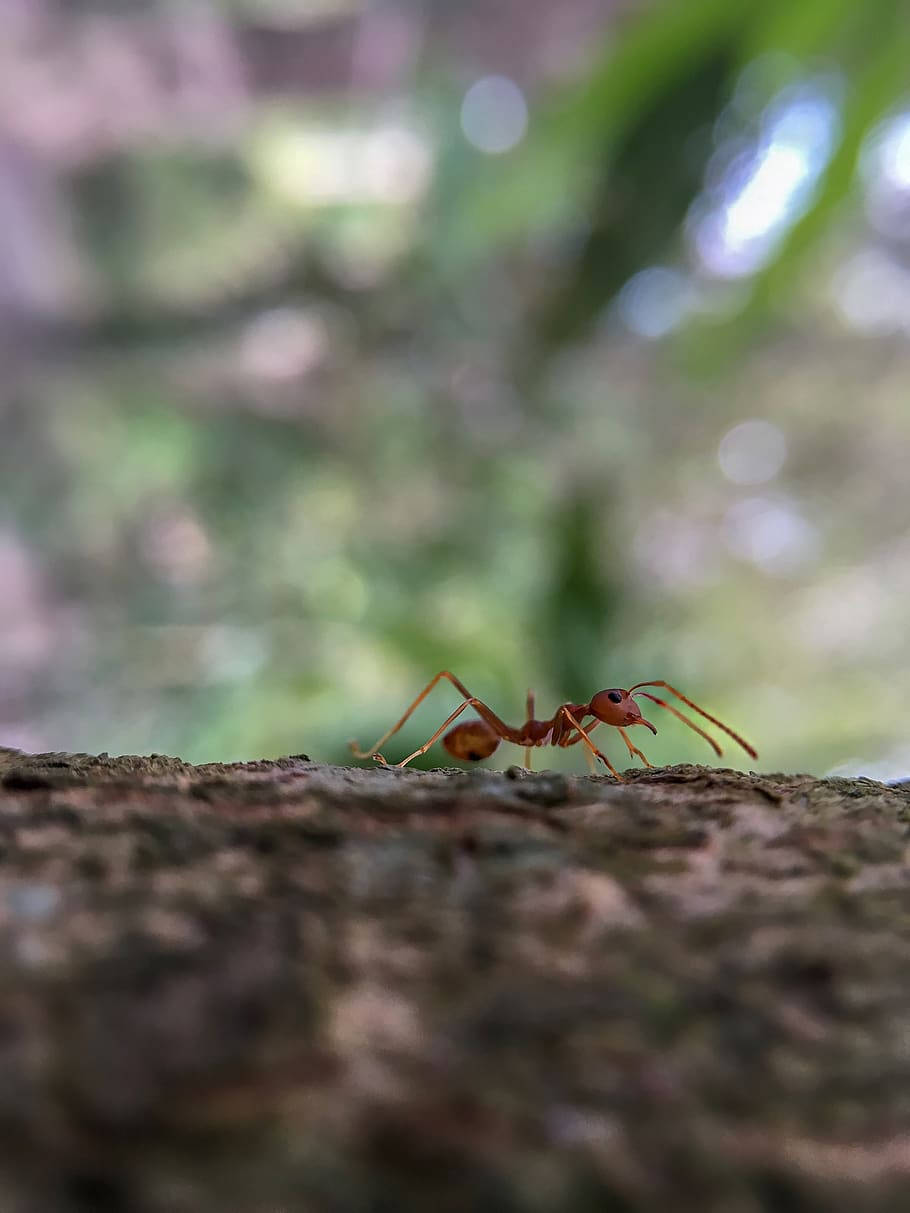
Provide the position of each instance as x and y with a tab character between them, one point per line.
475	740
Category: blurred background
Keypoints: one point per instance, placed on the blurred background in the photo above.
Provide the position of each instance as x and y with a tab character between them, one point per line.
562	345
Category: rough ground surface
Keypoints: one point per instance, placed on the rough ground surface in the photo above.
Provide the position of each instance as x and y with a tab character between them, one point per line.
281	986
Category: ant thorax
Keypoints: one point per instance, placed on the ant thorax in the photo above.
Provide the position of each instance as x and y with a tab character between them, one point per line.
536	732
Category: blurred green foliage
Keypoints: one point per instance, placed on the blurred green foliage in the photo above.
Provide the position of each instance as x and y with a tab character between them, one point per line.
338	400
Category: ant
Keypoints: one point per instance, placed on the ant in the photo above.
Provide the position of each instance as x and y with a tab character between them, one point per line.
475	740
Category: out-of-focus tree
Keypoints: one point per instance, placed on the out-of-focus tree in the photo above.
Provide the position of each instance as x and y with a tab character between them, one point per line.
348	341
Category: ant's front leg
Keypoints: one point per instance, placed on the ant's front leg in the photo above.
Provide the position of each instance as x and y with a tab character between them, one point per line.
590	744
633	749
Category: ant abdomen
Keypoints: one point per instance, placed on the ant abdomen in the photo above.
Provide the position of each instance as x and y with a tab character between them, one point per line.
471	741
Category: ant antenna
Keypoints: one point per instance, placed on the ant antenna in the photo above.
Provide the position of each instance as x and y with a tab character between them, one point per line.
701	711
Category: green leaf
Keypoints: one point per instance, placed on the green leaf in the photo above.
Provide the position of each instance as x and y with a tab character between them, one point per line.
546	181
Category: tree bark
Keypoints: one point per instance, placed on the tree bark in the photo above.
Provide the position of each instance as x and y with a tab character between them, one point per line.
284	986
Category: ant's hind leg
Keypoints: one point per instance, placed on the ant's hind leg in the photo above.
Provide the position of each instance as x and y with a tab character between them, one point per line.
373	750
482	709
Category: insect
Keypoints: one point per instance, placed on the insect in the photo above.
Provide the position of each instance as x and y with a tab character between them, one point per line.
475	740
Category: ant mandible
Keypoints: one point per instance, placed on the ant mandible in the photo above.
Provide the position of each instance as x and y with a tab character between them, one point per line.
475	740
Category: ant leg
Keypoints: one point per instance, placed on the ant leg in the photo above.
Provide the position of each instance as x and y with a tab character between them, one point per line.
373	750
590	744
468	703
632	748
701	711
529	708
575	738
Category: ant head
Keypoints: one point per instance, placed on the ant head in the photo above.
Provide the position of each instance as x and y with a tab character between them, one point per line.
618	708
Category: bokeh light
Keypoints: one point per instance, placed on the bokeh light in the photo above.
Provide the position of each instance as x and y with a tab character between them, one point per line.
494	114
766	183
752	452
772	534
655	301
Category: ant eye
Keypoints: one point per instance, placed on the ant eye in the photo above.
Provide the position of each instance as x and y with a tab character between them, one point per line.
614	696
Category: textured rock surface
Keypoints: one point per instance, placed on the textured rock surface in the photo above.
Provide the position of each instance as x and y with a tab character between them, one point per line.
281	986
